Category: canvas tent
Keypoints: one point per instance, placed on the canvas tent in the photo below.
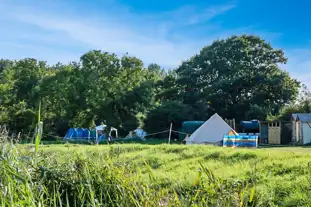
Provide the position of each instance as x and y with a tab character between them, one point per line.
137	133
140	133
212	131
301	128
100	130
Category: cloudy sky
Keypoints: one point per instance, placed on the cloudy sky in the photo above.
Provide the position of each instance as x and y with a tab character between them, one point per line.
156	31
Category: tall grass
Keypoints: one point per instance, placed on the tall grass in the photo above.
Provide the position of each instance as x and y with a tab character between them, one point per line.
39	130
140	175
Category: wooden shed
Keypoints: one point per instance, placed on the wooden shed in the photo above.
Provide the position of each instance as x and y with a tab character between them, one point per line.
277	132
301	123
274	132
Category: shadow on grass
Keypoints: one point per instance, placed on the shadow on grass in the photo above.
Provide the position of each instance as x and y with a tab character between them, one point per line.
263	146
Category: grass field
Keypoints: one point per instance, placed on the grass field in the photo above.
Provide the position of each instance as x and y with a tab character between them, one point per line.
155	175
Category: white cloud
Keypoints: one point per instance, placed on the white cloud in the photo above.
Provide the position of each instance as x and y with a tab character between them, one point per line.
147	38
59	32
299	64
192	15
23	50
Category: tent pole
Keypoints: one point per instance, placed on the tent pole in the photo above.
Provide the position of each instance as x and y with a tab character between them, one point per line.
169	136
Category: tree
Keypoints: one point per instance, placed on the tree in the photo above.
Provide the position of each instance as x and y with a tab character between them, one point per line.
19	92
238	77
305	98
62	98
167	88
156	71
4	64
301	105
117	88
159	118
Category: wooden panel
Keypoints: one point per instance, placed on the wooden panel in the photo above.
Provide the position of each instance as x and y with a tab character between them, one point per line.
274	133
231	123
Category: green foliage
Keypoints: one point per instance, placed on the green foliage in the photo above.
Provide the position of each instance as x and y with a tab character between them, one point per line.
167	88
159	118
238	77
301	105
100	87
23	117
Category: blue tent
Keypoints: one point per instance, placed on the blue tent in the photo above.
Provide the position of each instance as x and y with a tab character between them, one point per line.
79	133
71	133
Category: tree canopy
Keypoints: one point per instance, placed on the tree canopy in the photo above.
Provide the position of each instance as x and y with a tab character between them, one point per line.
238	77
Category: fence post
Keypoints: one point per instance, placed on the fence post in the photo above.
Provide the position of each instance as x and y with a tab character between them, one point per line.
170	133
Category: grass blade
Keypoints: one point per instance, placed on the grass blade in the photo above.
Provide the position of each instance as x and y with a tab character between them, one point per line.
38	135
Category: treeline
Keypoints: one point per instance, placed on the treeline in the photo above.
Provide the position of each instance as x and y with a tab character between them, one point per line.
238	77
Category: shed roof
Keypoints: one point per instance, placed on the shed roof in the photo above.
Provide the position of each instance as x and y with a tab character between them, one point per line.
303	117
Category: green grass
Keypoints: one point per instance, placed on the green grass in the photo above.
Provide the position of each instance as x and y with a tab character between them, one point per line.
154	175
149	141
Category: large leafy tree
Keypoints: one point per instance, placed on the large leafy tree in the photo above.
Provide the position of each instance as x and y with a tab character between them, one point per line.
110	81
62	97
19	91
101	88
238	77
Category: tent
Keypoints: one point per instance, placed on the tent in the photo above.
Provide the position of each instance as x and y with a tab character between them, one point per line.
188	127
79	134
212	131
102	127
138	133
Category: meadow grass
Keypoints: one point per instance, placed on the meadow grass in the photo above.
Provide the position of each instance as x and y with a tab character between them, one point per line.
153	175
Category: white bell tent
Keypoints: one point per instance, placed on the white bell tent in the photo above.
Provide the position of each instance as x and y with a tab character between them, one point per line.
212	131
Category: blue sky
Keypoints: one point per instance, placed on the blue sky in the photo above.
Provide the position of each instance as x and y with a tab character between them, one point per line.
156	31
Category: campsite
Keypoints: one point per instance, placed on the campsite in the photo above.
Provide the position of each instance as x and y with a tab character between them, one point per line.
158	175
226	169
226	127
